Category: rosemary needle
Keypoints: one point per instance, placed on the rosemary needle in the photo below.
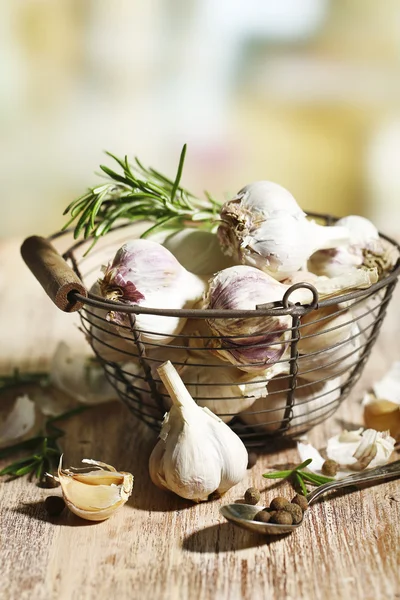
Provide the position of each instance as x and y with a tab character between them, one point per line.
299	477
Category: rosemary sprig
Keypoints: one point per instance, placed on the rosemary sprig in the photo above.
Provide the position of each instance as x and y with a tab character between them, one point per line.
44	450
299	477
139	193
17	379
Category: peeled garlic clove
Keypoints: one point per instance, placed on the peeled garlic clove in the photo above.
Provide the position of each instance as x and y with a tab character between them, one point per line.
80	376
312	403
94	494
197	453
144	273
263	227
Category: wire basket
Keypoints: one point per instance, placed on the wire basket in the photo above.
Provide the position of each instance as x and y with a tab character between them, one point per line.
305	387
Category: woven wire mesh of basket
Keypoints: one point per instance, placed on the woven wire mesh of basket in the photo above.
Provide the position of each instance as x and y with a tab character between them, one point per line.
305	387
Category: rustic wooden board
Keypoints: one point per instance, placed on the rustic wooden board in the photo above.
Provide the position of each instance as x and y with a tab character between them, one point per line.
160	546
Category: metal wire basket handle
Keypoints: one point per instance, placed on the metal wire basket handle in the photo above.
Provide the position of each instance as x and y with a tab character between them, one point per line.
56	277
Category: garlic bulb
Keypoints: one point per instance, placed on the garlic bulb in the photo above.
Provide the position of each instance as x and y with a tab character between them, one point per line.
313	401
80	376
253	343
197	453
365	249
323	328
223	388
263	226
331	361
145	274
108	342
94	493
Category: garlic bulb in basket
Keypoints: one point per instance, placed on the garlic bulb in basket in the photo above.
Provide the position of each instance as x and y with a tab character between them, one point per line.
332	361
254	343
263	226
108	342
197	453
323	328
313	401
365	249
144	273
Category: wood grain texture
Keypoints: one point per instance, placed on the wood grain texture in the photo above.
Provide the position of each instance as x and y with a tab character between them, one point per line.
160	546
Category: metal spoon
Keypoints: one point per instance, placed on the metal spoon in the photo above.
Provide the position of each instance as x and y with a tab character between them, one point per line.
243	514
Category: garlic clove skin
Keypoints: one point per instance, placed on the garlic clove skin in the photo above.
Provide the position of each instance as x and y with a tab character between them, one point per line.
19	421
197	453
95	494
146	274
264	227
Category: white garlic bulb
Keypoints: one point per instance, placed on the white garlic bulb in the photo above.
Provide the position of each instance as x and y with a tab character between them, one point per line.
332	361
197	453
365	249
94	493
312	402
257	342
263	227
323	328
146	274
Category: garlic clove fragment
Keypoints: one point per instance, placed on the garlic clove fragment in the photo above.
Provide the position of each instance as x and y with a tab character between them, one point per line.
94	493
197	453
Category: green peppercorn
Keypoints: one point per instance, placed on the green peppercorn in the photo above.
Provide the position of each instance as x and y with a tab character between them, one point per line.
252	495
330	467
301	501
279	503
54	505
282	517
263	516
295	511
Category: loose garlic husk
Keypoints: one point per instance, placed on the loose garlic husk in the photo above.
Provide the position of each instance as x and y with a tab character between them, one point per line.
94	494
197	453
366	249
257	342
145	274
263	227
312	402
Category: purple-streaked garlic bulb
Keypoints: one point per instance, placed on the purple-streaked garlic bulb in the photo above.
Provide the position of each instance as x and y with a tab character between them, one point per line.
366	249
144	273
253	343
264	227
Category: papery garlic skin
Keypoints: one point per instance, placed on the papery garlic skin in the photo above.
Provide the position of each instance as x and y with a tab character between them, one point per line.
146	274
96	494
361	448
79	376
263	227
197	453
19	421
312	402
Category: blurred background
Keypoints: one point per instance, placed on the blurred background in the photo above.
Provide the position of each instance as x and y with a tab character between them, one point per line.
306	94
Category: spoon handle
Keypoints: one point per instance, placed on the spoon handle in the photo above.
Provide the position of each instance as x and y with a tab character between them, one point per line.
383	472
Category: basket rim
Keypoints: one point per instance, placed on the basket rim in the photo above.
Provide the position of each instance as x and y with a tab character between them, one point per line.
277	308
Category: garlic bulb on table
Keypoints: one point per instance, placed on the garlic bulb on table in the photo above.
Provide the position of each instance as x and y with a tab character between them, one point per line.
366	249
144	273
254	343
312	402
197	453
263	226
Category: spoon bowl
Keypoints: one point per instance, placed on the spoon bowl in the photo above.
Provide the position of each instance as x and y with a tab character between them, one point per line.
243	515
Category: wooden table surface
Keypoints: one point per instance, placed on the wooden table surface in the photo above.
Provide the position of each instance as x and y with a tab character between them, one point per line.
160	546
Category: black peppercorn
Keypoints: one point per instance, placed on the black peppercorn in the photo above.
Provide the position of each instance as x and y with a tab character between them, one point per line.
282	517
54	505
279	503
330	467
301	501
295	511
252	495
263	516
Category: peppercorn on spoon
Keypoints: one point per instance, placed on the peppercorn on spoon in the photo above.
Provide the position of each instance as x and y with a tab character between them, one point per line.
243	515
